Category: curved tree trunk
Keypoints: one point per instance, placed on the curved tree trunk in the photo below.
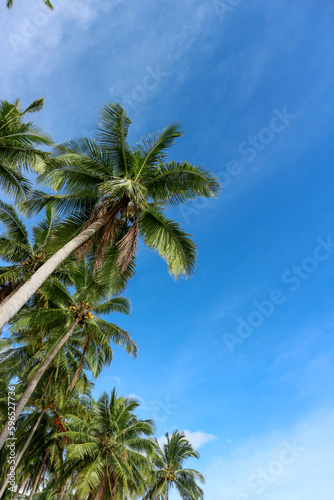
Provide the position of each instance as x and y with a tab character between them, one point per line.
36	483
19	486
14	304
13	292
36	378
66	487
32	432
100	493
26	484
78	370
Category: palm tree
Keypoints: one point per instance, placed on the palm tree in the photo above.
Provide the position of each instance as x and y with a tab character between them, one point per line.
23	255
110	450
112	189
170	472
39	417
39	425
73	314
49	448
52	404
18	153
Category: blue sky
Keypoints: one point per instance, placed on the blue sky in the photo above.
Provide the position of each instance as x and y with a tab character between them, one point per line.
251	81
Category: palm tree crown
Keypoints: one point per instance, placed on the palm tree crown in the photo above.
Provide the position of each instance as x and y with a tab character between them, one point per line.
18	141
130	186
116	194
110	449
170	472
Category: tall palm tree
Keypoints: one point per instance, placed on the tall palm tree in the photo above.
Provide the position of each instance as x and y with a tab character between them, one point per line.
18	153
170	472
110	450
67	315
112	189
39	425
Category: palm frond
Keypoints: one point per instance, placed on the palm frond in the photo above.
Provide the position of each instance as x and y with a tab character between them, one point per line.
169	240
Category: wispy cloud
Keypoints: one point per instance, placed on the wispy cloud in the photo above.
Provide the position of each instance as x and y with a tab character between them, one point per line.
112	380
294	465
196	438
199	438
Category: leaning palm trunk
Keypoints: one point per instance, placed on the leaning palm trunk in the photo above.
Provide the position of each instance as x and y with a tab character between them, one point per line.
77	373
26	485
36	483
32	432
10	295
36	378
23	294
101	489
66	488
18	489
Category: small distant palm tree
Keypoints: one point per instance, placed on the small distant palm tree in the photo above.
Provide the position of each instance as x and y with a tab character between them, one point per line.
18	153
110	450
118	193
170	472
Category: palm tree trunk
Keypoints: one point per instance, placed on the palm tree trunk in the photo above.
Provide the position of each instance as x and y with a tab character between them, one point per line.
36	378
18	489
78	370
101	489
38	476
14	304
26	484
10	295
66	486
32	432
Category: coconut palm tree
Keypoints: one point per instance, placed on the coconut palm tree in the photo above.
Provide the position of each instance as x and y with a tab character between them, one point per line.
116	191
49	448
24	255
170	472
18	153
110	450
38	425
72	314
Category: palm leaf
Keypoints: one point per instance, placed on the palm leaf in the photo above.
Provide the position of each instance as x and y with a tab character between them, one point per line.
167	238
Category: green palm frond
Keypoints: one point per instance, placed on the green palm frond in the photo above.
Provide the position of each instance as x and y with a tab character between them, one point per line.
18	152
169	240
153	148
179	182
112	133
13	225
117	304
9	4
12	182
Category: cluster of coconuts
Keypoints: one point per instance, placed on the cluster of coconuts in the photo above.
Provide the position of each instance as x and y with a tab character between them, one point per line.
37	258
171	476
87	314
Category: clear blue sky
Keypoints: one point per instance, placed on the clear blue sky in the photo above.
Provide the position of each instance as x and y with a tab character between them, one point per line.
241	355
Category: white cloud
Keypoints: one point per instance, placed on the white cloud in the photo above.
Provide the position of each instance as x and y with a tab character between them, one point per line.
290	466
138	398
197	438
114	380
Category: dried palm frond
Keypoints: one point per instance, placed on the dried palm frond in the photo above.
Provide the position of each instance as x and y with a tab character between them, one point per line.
128	245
